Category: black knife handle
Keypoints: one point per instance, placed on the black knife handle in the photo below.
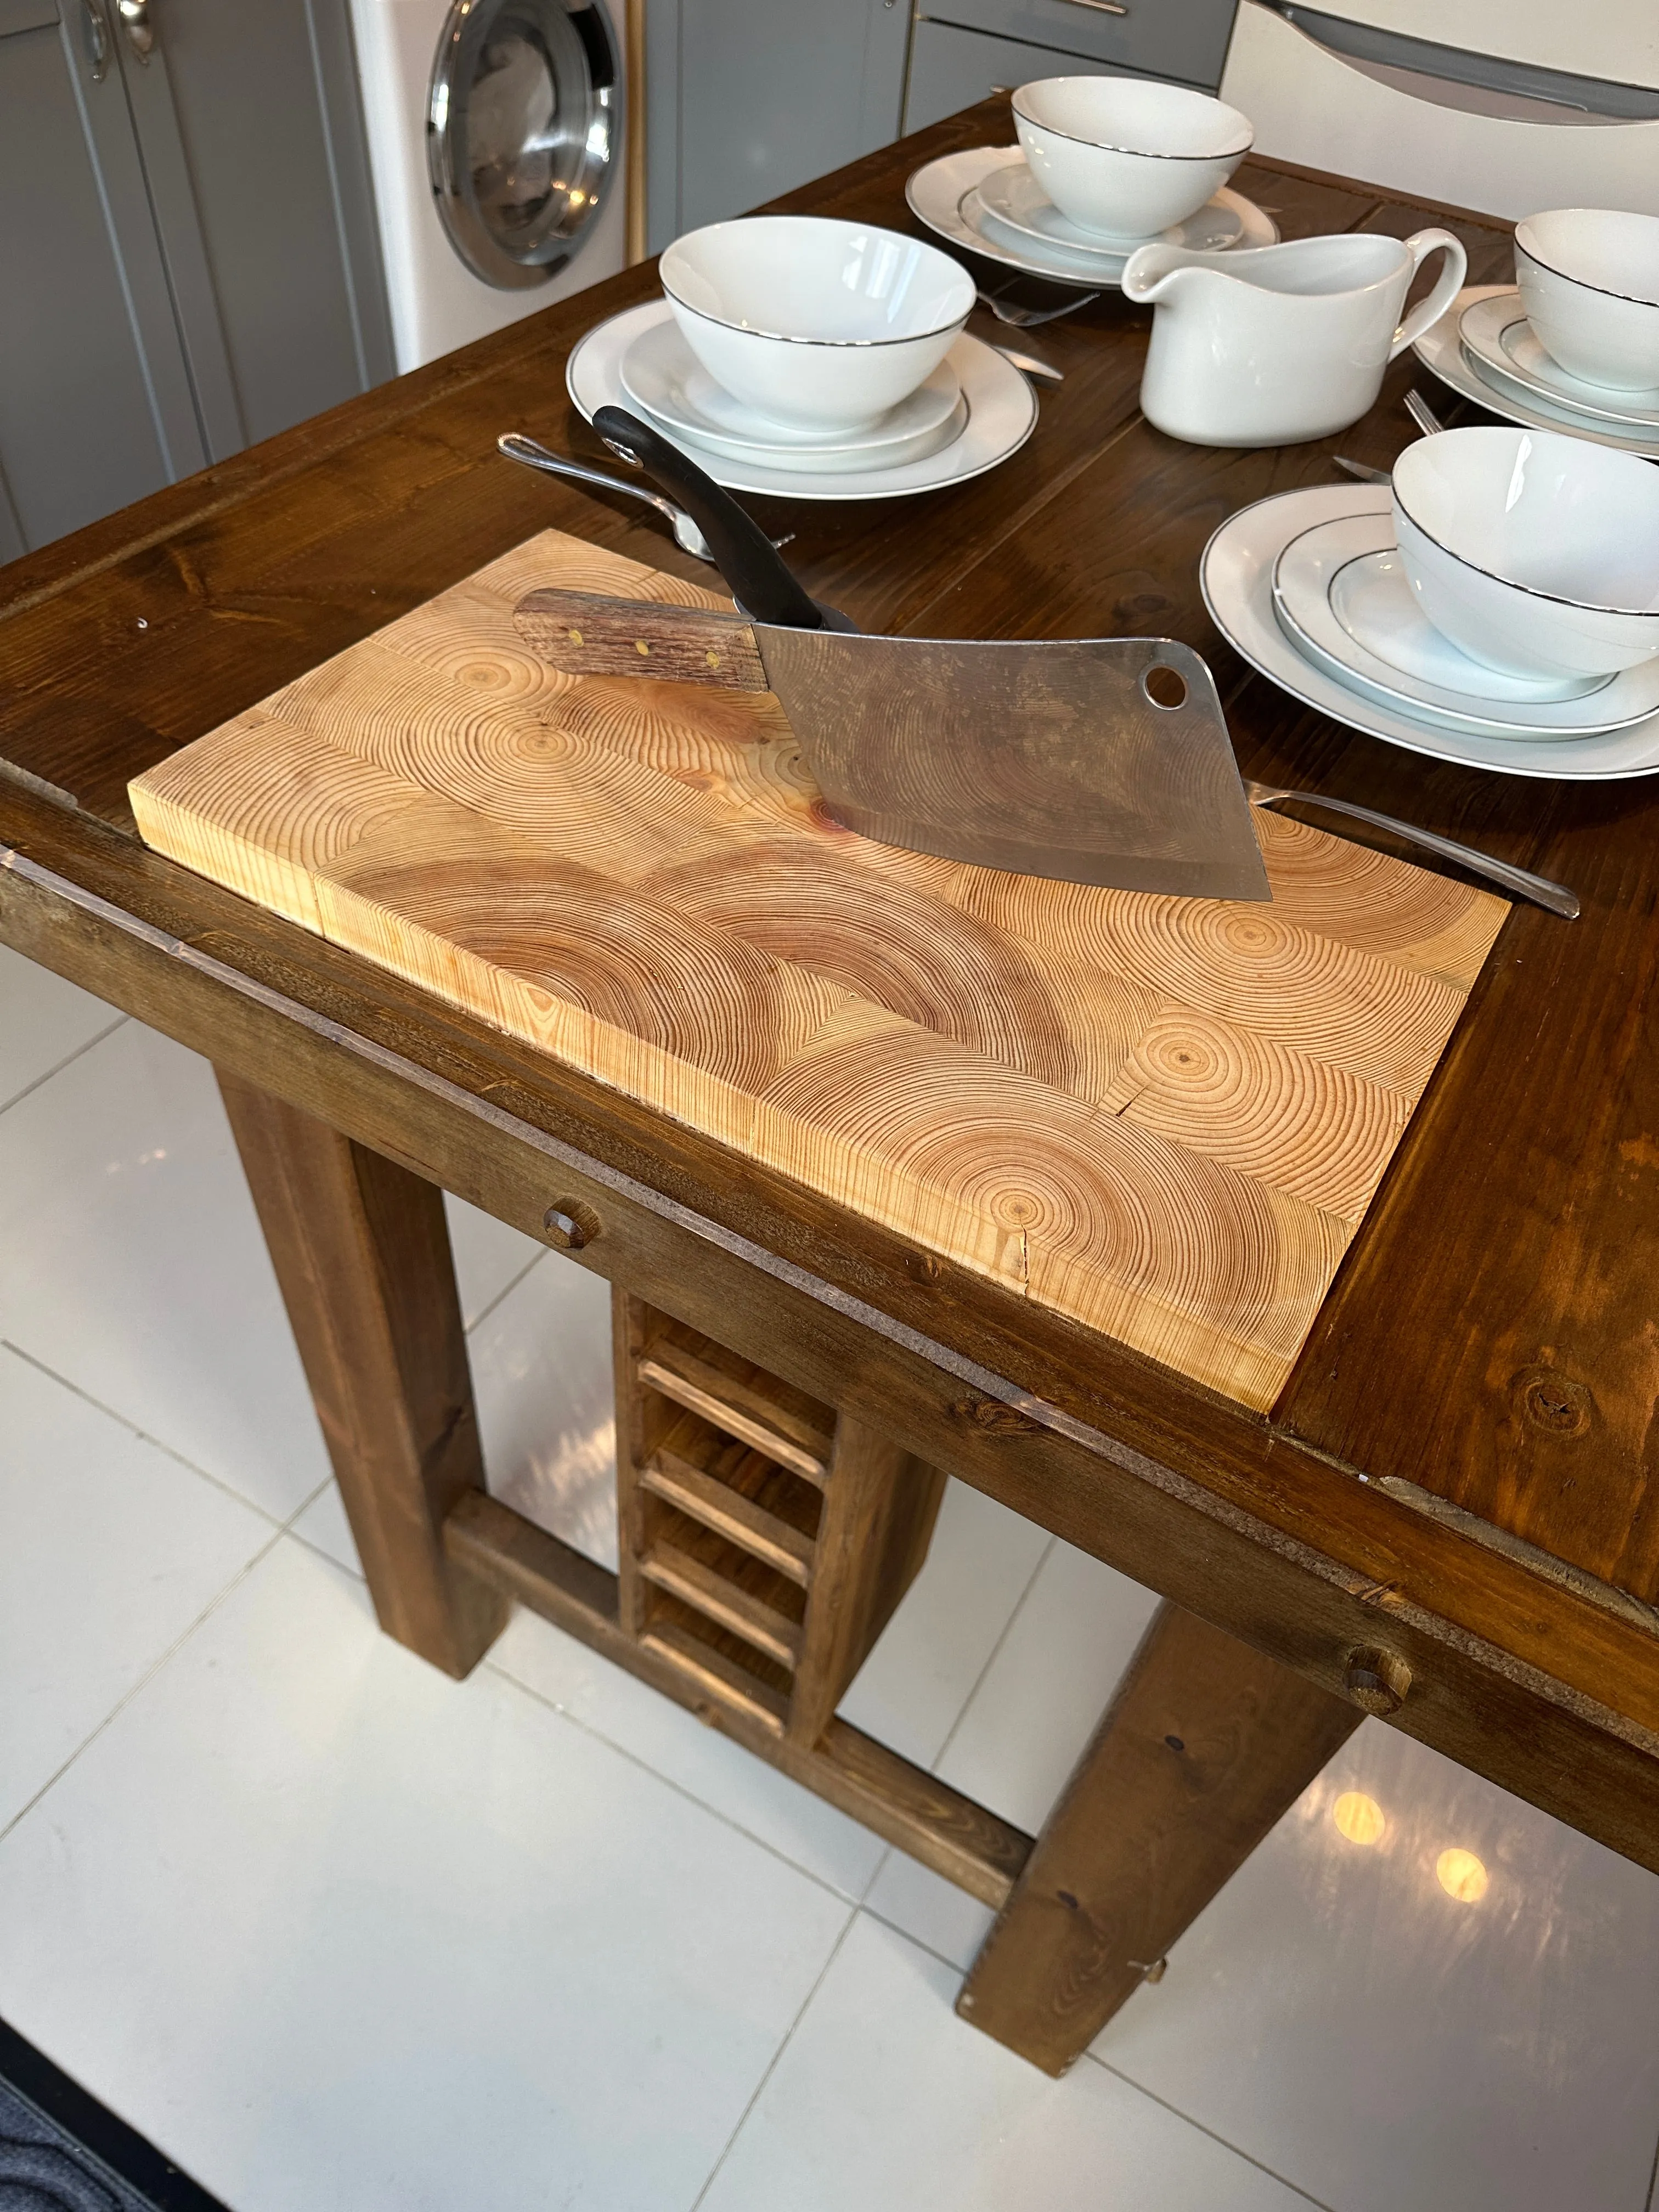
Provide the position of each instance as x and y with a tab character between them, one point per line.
759	581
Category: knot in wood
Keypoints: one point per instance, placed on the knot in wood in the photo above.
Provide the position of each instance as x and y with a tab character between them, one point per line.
995	1418
1378	1681
1553	1402
570	1223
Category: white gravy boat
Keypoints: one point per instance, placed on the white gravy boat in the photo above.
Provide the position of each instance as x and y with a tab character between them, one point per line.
1280	342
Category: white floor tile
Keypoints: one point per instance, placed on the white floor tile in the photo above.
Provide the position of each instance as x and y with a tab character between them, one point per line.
489	1255
112	1549
323	1524
1048	1684
541	1368
1339	2016
43	1020
343	1936
884	2099
935	1911
135	1264
916	1682
676	1744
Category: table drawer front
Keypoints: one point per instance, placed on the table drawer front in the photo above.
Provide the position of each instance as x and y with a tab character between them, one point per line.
1185	39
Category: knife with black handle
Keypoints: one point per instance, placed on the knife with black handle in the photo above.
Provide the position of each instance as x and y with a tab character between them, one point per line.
758	579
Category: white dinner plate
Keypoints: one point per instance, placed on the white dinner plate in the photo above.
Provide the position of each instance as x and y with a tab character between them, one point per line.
1009	199
1341	595
939	193
1002	412
1440	349
665	381
1236	575
1505	346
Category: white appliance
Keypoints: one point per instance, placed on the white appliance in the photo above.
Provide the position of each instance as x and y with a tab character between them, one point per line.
496	133
1495	147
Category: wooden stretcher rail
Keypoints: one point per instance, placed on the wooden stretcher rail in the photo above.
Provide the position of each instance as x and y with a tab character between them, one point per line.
908	1807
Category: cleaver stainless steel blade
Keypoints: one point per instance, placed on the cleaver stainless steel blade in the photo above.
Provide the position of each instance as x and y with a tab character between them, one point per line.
1092	761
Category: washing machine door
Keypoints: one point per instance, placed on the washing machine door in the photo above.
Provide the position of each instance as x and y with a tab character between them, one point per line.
523	132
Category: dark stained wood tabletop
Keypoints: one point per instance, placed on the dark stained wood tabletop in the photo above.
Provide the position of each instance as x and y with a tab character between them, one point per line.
1470	1433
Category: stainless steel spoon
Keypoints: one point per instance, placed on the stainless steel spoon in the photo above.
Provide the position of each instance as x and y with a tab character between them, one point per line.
1029	365
687	536
1520	881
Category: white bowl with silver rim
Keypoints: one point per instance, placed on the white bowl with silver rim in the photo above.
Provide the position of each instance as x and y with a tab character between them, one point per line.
1536	553
1590	282
820	325
1125	158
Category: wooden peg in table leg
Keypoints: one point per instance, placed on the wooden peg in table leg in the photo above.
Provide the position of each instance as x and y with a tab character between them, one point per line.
586	634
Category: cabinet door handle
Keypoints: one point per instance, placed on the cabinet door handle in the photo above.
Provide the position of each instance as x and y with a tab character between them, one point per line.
1105	7
141	31
94	35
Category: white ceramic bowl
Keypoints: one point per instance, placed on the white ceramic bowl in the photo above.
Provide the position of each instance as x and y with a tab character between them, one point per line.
1536	553
1125	158
823	326
1589	283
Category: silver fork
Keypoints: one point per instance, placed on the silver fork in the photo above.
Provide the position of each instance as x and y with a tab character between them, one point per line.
1030	318
1522	881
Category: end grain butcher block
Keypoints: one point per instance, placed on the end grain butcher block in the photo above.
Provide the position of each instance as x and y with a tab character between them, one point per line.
1163	1117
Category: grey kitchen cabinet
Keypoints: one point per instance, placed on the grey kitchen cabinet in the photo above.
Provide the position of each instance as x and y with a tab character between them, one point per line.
1182	40
746	99
187	248
951	68
95	405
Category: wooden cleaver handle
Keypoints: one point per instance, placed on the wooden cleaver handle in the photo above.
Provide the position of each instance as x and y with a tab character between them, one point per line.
586	634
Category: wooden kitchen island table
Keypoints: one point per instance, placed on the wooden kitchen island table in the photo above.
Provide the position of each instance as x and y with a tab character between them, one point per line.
1391	1454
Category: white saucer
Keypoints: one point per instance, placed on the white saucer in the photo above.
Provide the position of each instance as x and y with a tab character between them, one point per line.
1341	596
664	380
1505	347
1009	200
1236	575
938	195
1440	349
1002	412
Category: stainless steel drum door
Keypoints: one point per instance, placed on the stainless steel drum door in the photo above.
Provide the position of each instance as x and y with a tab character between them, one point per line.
523	132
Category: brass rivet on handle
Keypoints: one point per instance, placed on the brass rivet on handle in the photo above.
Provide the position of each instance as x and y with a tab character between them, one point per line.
570	1223
713	659
575	636
640	646
1378	1681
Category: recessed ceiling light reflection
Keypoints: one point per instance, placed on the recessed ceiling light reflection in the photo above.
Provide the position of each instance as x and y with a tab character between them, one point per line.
1462	1876
1358	1818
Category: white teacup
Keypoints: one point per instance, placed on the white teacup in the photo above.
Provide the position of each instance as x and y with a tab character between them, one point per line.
1589	283
820	325
1280	342
1124	157
1537	555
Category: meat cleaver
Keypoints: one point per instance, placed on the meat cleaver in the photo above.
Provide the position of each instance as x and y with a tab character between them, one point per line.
1046	757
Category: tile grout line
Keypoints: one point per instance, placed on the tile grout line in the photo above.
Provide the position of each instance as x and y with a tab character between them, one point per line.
598	1735
156	1443
633	1757
68	1060
772	2064
163	1659
482	1316
1141	2090
992	1656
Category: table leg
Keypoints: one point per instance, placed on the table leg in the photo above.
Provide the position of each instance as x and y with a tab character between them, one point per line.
1203	1748
362	1252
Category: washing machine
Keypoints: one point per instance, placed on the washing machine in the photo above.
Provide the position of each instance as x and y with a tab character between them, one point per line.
495	134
